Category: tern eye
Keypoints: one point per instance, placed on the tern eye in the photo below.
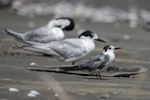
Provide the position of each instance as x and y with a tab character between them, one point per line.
109	48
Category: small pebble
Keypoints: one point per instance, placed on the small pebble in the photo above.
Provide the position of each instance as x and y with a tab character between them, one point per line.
13	90
31	95
33	64
35	92
131	76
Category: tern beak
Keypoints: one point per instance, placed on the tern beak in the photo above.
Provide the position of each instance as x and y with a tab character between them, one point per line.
117	48
100	40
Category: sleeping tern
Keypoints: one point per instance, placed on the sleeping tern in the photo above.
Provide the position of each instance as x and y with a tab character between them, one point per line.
53	31
68	50
98	63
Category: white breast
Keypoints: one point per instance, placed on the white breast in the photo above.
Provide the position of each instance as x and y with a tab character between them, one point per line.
89	45
111	57
57	33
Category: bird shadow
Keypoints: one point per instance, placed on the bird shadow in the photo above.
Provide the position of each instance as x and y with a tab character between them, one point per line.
96	78
73	73
63	72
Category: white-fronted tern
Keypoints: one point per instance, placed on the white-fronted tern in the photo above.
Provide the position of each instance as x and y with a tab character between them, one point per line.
68	50
53	31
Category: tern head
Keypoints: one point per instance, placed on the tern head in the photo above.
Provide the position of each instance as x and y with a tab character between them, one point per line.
64	23
90	35
110	49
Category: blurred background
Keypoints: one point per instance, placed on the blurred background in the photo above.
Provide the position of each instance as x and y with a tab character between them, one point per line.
133	12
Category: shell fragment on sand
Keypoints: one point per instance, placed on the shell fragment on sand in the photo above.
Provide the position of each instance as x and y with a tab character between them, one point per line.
13	90
33	93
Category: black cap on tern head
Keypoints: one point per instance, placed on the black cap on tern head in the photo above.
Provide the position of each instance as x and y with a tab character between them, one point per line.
107	47
70	26
91	35
87	33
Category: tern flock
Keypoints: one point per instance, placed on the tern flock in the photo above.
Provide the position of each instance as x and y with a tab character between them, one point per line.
50	40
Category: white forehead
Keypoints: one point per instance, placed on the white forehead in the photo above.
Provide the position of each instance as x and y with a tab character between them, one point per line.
111	46
95	36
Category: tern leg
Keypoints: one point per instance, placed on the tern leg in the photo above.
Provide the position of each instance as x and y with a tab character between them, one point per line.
99	74
73	63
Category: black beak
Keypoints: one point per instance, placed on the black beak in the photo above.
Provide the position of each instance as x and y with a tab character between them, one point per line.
100	40
117	48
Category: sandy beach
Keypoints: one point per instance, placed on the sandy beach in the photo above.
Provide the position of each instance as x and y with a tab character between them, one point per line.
58	86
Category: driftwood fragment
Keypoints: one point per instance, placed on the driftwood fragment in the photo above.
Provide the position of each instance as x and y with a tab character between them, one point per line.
113	71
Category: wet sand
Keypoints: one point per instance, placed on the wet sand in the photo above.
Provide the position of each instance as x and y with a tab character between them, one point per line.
58	86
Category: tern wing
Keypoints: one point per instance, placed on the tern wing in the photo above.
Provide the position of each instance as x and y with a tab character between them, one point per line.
37	35
70	50
43	48
44	35
103	62
97	62
67	50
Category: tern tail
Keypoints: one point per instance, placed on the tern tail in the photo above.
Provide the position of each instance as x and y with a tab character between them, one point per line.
13	33
40	49
34	49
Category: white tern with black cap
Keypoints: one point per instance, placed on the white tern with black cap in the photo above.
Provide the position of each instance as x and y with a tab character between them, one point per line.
53	31
68	50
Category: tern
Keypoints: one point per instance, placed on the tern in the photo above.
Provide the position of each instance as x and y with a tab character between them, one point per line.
68	50
100	62
53	31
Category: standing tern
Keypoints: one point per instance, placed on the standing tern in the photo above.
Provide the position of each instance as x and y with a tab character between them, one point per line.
68	50
53	31
97	63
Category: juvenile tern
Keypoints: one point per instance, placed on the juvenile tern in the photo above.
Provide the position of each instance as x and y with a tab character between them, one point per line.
53	31
97	63
68	50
